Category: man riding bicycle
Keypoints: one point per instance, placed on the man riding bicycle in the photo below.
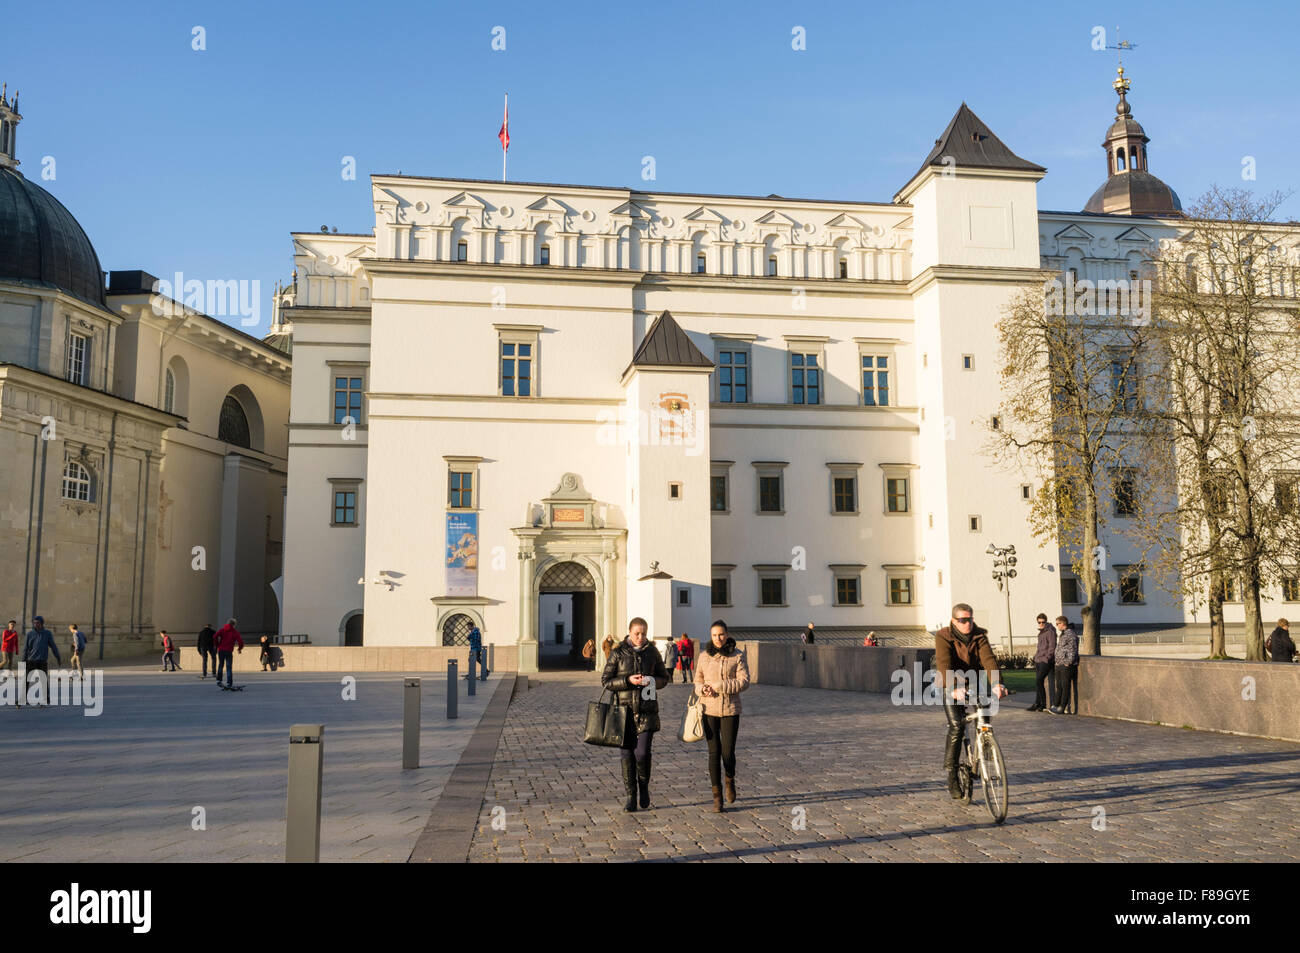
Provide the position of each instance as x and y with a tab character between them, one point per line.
958	648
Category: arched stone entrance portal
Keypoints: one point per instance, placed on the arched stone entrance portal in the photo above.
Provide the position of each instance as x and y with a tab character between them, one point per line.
566	551
566	607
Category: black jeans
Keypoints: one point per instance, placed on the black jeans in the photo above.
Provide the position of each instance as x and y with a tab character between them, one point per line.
720	732
1044	684
1067	686
686	672
206	654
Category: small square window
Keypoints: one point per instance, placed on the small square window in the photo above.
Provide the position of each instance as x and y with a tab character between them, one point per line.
995	422
772	591
1290	589
1070	591
1026	491
674	491
846	591
968	362
1130	585
974	523
683	596
900	590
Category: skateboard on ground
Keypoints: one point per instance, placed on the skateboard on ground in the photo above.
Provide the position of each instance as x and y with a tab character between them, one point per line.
231	688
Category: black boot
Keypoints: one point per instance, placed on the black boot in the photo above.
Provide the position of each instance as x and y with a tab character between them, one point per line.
951	751
629	783
643	781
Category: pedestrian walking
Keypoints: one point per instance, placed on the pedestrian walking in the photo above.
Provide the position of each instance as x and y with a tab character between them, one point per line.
608	646
36	654
266	658
721	674
9	646
635	673
671	657
169	653
1067	668
685	657
1279	644
808	635
227	639
476	649
207	646
1044	666
78	647
589	654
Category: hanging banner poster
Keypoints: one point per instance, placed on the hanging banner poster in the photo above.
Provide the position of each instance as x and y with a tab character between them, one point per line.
462	554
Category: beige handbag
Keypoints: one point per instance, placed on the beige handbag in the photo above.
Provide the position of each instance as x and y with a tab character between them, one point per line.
693	720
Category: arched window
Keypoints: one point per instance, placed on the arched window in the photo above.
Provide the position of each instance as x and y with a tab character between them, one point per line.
1119	159
455	630
462	251
233	427
77	483
176	387
1135	159
169	393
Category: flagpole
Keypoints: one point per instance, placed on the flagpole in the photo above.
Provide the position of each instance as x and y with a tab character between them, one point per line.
505	148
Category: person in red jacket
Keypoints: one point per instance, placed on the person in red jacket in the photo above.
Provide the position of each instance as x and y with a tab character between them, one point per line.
685	656
227	638
9	647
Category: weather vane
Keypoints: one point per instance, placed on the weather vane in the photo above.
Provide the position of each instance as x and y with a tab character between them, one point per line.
1119	47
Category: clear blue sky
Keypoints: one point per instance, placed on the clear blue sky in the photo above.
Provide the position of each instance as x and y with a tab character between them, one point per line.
203	162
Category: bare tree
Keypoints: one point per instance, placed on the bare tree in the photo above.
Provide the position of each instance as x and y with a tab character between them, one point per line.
1071	372
1225	338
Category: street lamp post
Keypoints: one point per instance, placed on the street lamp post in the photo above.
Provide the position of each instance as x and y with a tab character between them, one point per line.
1004	570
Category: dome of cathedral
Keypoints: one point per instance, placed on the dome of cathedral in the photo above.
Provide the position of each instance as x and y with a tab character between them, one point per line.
42	244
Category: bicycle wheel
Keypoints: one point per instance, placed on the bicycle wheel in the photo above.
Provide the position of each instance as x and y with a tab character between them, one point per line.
993	775
965	776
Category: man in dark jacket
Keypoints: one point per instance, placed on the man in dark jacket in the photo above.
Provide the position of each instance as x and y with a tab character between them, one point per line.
1044	664
1279	644
207	647
635	673
36	653
1067	668
808	636
959	648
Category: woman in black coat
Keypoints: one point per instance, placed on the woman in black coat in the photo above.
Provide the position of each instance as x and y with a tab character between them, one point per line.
635	673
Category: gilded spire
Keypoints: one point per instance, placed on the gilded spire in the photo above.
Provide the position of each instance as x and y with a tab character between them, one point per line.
1122	86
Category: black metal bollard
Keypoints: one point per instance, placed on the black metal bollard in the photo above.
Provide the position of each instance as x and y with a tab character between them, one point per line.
452	689
302	814
469	678
411	723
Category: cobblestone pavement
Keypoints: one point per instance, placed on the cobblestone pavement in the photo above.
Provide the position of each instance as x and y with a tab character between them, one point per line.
865	777
122	786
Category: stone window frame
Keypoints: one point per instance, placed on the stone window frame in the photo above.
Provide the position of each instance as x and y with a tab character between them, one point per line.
898	471
349	369
345	485
1067	576
769	468
846	571
841	471
721	468
722	571
879	347
90	482
1125	569
733	342
87	339
805	344
769	571
909	571
520	334
460	463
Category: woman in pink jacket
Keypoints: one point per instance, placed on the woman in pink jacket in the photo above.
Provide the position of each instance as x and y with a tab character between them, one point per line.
721	674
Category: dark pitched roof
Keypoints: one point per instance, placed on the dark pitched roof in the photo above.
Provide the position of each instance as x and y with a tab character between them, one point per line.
666	345
972	144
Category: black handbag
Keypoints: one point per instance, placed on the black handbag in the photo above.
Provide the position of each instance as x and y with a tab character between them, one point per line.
606	722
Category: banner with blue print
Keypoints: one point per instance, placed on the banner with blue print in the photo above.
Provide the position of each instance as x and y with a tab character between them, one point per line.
462	554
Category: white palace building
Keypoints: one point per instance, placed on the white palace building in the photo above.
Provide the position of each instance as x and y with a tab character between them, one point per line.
544	409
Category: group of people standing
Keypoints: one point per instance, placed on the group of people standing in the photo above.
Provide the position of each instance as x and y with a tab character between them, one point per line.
635	673
220	647
1056	667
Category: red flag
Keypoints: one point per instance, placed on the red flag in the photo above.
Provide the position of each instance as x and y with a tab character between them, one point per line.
504	134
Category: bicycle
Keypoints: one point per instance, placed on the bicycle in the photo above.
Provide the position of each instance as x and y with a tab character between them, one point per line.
980	752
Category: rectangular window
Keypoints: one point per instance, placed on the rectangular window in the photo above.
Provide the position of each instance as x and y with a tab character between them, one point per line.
805	379
1290	589
347	398
896	495
974	523
544	255
460	490
718	492
846	591
1130	585
1219	491
345	507
968	362
1124	384
875	380
674	491
900	590
771	590
1284	492
1070	591
721	591
1231	591
733	376
78	352
846	492
1126	492
683	596
1026	491
769	494
516	369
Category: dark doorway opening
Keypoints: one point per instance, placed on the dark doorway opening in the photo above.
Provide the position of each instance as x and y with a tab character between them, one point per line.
352	633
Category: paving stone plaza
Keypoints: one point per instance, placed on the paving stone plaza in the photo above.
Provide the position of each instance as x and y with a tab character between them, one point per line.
823	776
